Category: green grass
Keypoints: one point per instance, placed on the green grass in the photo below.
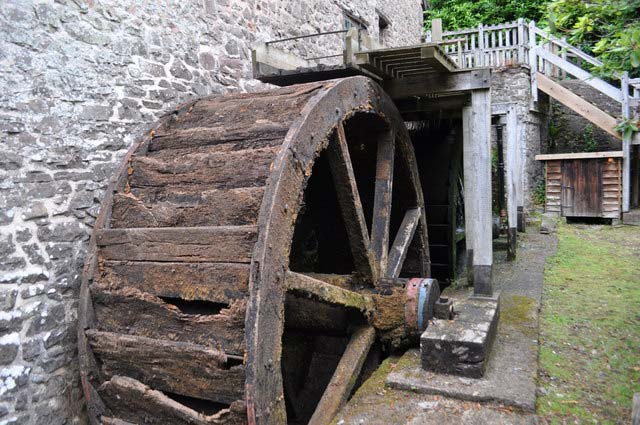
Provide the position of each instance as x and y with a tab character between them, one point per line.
590	326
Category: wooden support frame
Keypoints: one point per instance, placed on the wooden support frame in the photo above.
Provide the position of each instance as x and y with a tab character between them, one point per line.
513	174
476	121
439	84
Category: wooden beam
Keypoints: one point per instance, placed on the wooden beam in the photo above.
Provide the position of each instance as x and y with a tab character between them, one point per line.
440	83
232	244
403	239
588	78
276	58
579	155
178	367
350	205
382	200
571	100
436	30
344	378
512	172
477	173
309	287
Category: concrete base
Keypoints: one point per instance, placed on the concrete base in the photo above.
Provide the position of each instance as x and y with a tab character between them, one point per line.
632	217
482	281
522	220
511	244
462	346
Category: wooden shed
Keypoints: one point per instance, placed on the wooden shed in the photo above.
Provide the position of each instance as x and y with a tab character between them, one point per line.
585	184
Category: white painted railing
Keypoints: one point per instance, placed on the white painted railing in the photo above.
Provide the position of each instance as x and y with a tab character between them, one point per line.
520	43
487	45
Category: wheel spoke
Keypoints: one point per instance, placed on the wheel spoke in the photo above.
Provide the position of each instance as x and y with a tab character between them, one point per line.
337	392
351	206
327	293
382	200
401	244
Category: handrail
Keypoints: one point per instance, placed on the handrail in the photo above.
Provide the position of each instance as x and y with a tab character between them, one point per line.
568	47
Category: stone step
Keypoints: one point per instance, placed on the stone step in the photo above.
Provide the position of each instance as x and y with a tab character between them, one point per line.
462	346
632	217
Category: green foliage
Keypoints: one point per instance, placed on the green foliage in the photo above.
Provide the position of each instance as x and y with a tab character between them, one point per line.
458	14
539	194
606	29
627	127
589	142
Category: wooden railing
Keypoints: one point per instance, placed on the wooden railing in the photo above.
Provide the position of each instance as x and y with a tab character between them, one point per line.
547	56
519	43
491	45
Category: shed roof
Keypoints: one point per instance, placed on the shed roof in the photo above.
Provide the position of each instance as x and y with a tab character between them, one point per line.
579	155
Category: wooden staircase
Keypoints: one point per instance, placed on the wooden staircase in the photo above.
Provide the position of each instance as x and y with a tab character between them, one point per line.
550	60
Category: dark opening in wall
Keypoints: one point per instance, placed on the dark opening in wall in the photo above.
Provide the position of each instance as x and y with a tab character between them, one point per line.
383	28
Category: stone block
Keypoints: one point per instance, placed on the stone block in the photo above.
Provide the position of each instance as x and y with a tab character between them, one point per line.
462	346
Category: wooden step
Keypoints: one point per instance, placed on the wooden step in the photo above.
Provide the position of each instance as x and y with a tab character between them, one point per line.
186	206
132	312
232	244
131	401
177	367
215	282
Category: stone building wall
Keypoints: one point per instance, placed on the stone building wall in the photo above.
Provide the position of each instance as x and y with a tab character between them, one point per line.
79	81
512	85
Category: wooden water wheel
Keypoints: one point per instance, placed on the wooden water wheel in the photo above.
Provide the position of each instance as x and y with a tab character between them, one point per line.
241	267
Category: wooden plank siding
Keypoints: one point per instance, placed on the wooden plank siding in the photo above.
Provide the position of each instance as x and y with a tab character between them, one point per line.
553	175
584	187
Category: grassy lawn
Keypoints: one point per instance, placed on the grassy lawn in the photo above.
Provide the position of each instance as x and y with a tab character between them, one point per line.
590	326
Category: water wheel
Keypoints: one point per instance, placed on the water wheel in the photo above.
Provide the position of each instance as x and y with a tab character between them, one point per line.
241	267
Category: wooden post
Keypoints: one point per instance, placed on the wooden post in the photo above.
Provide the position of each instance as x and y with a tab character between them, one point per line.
563	74
480	60
469	188
436	30
533	61
626	146
521	58
512	171
477	191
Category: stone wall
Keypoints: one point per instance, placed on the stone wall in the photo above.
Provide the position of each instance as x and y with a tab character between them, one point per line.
512	85
570	132
79	80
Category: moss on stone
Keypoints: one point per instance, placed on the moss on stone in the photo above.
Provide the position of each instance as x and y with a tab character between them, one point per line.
517	312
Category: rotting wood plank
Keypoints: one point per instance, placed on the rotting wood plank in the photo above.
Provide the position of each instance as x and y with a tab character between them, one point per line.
344	378
215	282
351	206
403	239
454	82
132	312
135	402
177	367
218	169
382	200
231	136
186	206
182	244
576	103
309	287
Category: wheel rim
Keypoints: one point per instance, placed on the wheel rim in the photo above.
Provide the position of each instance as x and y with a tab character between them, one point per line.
324	129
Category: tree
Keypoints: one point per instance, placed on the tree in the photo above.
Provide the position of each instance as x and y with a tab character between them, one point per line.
458	14
606	29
